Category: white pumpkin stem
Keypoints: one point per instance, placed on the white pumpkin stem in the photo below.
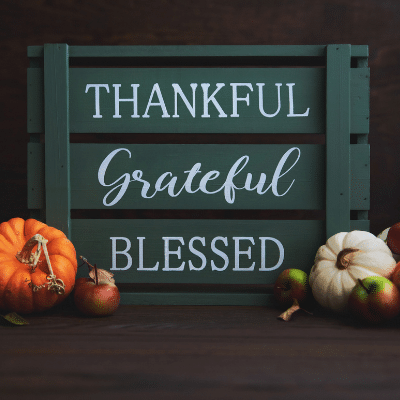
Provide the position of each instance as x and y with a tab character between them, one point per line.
344	257
25	256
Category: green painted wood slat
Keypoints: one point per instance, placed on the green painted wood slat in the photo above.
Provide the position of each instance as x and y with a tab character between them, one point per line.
87	193
204	299
56	117
199	51
241	176
337	139
275	100
83	111
202	251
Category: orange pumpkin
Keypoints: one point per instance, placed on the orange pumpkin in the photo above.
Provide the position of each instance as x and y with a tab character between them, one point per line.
38	266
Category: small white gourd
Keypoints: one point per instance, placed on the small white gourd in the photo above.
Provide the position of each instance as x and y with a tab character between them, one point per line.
345	258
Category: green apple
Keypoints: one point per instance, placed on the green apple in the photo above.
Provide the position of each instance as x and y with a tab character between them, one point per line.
291	284
374	299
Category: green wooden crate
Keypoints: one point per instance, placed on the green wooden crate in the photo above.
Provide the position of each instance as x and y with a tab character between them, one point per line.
319	91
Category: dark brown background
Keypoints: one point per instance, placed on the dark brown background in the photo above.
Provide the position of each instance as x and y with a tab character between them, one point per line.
162	22
172	352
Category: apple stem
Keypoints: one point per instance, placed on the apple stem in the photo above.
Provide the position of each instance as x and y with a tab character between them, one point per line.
85	261
308	312
363	286
90	266
95	274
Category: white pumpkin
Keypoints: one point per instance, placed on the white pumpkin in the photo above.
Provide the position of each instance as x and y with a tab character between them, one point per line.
345	258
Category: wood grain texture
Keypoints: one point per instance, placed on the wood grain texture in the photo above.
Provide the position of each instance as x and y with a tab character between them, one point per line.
181	352
56	128
309	90
299	240
338	139
88	194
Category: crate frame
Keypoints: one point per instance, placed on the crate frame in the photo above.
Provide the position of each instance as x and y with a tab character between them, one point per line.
51	171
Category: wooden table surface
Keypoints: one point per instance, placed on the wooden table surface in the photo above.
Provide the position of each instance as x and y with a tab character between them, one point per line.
198	352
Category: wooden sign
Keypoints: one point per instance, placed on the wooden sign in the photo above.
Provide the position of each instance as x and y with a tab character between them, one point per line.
192	90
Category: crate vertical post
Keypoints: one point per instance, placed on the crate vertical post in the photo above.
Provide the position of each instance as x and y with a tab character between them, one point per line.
56	117
337	139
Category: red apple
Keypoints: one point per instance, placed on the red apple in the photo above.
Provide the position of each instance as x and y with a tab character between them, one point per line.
291	284
393	238
374	299
97	295
395	277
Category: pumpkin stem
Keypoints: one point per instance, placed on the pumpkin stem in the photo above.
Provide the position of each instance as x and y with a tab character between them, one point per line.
344	258
25	256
